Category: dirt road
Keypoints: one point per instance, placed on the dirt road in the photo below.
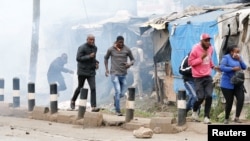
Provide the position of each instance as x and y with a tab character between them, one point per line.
24	129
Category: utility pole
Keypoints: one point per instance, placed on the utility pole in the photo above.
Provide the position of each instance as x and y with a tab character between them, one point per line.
34	40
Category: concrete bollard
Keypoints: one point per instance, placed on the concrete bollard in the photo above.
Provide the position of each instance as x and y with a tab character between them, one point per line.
82	102
130	104
1	89
16	92
181	105
53	98
31	96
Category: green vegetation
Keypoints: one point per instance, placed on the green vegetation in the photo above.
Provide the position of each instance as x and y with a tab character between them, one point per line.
141	113
217	110
247	107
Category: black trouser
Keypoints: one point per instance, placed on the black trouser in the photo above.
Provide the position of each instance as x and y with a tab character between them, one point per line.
229	94
91	81
204	90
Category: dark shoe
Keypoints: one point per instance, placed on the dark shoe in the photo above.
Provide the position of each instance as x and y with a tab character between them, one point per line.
237	120
94	109
72	105
118	114
226	121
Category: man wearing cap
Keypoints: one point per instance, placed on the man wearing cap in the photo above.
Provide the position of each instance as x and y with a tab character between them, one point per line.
200	60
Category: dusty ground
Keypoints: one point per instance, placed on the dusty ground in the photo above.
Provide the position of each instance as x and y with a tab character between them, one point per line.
24	129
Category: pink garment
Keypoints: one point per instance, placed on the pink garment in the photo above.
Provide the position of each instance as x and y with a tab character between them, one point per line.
200	67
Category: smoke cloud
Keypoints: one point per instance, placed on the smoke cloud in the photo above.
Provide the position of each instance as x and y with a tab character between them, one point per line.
57	36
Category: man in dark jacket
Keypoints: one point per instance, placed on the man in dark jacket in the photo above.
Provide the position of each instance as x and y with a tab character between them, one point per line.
54	74
86	69
188	80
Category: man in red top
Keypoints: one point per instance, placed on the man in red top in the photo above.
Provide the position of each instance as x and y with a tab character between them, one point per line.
200	60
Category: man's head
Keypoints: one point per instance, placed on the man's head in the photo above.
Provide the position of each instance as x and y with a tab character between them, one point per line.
119	41
64	57
91	39
205	40
139	43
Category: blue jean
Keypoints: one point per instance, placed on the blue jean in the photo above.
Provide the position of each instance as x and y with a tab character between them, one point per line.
120	86
189	85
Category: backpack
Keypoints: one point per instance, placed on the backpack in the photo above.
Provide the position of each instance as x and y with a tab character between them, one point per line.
184	68
238	78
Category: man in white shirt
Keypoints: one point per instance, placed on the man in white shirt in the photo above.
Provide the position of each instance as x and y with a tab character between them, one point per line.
135	69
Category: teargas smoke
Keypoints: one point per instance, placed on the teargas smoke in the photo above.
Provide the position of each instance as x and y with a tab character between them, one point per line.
63	30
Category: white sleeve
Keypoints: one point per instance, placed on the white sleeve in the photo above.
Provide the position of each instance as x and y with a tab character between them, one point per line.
140	51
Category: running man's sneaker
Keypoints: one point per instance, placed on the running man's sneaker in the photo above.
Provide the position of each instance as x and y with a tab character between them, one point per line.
207	120
118	114
126	95
94	109
195	117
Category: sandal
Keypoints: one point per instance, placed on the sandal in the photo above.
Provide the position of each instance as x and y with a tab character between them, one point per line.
237	120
